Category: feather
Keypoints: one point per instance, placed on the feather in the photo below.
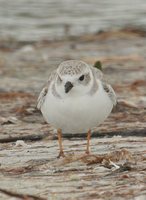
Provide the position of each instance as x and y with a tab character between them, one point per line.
109	90
44	91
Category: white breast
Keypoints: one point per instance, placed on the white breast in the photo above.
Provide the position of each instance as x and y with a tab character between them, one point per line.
78	114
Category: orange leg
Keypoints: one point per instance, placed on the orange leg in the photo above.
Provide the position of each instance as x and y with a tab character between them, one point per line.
61	153
88	142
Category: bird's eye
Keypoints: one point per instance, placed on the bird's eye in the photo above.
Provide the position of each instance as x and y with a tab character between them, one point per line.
81	78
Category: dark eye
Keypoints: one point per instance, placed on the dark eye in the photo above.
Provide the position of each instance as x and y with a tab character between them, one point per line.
81	78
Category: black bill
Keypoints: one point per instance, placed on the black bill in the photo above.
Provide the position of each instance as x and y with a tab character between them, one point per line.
68	86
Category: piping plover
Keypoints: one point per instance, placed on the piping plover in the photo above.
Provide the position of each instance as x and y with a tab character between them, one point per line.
76	99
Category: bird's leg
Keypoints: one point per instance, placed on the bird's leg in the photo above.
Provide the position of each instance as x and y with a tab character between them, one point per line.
61	153
88	141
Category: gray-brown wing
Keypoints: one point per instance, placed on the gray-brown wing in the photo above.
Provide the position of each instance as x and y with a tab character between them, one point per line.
44	91
109	90
97	73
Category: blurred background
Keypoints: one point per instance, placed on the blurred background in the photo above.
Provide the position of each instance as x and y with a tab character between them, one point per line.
31	20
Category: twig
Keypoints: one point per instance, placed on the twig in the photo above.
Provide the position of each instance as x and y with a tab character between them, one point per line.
21	196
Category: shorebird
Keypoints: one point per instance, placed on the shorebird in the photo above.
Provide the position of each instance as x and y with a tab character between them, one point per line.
76	99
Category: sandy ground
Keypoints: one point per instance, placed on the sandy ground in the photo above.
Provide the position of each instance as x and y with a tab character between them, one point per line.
116	169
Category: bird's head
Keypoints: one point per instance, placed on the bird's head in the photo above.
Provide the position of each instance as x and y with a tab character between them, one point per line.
74	78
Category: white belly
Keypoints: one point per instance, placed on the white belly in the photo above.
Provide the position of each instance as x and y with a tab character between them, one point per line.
78	114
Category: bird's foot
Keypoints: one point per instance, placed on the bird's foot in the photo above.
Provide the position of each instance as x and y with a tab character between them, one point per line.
87	152
61	154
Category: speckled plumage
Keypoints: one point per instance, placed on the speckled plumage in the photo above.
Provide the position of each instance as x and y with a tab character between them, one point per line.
71	67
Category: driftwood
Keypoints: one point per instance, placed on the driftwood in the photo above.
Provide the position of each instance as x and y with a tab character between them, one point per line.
28	169
36	137
21	196
32	137
123	133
